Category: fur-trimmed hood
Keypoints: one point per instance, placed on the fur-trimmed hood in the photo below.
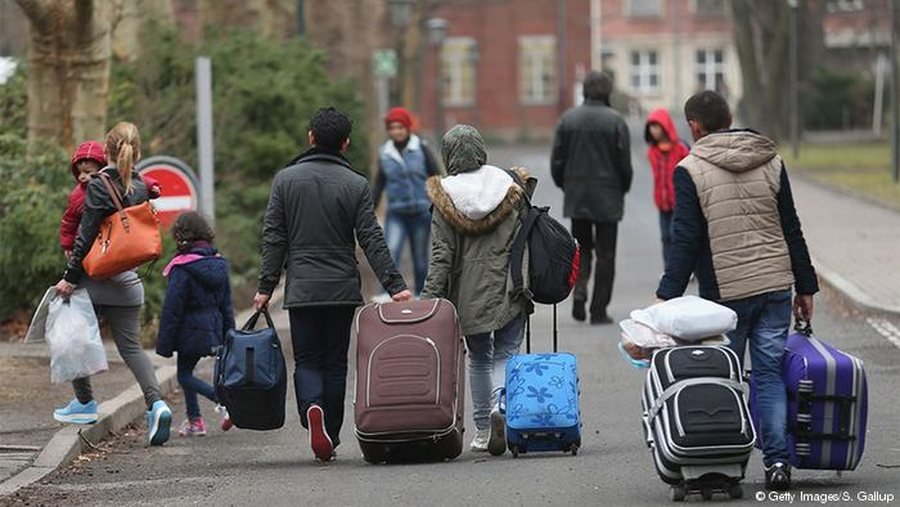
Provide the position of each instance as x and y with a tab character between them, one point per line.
477	202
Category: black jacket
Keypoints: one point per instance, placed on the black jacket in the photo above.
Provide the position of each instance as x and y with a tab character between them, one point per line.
591	162
318	209
98	205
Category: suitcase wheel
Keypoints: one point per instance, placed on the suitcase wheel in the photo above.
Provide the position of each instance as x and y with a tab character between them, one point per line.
706	494
735	491
573	449
679	493
514	449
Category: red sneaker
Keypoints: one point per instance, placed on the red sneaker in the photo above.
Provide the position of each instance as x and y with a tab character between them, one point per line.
226	423
318	437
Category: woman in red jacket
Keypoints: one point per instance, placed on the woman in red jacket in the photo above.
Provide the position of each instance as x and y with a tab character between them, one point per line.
665	152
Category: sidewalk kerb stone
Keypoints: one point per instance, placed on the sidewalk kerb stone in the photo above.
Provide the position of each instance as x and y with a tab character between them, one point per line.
850	292
115	414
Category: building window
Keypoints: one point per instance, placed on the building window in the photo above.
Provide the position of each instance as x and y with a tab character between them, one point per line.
844	5
537	69
640	8
709	7
459	71
710	65
644	71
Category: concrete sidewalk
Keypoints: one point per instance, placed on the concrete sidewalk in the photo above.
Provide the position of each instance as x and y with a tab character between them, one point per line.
855	244
32	444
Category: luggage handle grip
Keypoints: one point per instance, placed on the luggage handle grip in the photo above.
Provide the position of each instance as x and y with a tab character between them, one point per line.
251	322
802	326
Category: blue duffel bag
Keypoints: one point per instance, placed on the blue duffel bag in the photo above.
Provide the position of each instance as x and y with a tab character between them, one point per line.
251	377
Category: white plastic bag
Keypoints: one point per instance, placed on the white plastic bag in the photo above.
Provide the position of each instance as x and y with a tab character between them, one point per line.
688	318
640	341
38	325
73	335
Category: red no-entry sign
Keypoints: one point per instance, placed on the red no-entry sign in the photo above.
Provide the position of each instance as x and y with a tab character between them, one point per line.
179	186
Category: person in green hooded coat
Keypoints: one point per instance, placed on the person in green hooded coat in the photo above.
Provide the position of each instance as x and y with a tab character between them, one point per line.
477	213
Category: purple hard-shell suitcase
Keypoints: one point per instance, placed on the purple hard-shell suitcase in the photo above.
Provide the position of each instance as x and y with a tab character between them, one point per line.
827	404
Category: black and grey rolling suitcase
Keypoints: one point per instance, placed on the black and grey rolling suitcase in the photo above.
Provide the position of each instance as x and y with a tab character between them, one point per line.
696	420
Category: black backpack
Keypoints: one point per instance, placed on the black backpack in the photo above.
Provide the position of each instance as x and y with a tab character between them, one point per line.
553	256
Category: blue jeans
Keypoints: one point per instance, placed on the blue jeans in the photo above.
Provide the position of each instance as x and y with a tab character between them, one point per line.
417	227
488	353
665	229
765	322
321	337
192	386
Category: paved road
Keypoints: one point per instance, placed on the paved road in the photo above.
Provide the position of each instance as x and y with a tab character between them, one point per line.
613	467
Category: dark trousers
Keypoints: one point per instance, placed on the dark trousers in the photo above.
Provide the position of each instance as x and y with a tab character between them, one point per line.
600	238
321	337
191	386
665	229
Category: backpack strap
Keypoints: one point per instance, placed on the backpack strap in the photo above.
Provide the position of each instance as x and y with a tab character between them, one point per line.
517	255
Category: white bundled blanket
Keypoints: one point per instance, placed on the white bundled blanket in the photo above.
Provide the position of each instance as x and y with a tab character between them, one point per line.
688	318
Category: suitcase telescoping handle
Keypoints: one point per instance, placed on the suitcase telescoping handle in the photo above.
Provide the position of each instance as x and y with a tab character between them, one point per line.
528	333
251	322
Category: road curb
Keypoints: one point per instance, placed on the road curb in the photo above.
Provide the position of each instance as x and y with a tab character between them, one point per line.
69	442
850	292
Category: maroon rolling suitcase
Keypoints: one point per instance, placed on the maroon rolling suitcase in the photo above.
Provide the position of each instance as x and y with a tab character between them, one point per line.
410	382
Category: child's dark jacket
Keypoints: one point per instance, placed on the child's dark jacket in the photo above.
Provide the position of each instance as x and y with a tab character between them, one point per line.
197	310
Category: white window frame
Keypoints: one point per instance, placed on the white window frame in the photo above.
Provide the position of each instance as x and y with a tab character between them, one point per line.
710	68
643	71
532	68
695	8
629	9
456	62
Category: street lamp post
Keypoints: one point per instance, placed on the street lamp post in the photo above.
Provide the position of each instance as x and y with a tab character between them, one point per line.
400	15
794	99
895	91
437	34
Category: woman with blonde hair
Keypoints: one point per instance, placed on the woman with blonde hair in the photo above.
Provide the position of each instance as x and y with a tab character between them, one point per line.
119	298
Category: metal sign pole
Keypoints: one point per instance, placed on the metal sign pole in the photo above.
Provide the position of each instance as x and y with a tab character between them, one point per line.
203	69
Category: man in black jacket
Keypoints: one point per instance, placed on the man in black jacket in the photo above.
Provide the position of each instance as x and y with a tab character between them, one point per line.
591	162
319	207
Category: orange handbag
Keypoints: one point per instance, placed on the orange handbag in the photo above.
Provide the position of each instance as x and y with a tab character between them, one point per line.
127	238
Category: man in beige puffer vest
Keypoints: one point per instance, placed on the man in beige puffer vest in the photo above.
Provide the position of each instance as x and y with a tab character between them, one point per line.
735	226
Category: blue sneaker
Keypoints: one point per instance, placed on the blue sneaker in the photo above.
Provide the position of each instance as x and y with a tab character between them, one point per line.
159	418
77	413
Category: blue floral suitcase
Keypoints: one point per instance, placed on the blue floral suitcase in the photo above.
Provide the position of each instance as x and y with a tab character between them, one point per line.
542	400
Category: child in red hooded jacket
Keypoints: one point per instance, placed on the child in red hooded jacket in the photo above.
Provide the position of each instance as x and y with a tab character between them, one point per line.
86	161
665	152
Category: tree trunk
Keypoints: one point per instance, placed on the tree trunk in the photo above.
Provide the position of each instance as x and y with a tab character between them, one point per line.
127	21
762	37
68	70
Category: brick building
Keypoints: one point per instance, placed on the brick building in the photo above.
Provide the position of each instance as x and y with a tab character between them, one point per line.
501	62
662	51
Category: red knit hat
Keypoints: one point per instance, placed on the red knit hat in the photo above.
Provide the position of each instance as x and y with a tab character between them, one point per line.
88	150
398	115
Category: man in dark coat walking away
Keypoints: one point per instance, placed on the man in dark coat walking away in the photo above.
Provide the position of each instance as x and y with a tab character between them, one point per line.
591	162
318	209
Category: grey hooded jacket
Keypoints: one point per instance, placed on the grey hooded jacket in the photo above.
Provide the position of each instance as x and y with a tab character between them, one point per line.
477	212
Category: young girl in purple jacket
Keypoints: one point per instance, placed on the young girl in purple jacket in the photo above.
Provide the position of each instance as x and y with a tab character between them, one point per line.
196	313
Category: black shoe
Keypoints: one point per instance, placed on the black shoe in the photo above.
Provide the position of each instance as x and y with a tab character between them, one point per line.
597	320
578	312
778	476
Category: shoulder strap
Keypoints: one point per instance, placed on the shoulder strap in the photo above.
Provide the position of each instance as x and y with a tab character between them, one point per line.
112	190
517	255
